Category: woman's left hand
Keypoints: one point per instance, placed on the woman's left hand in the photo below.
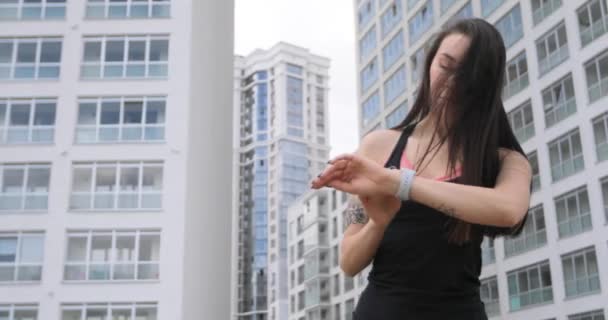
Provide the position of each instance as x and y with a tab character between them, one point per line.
358	175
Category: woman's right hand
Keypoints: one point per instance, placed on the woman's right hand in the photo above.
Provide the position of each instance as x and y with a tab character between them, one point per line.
380	209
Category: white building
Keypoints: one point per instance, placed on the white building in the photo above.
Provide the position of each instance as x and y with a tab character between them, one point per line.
281	112
115	159
556	95
318	288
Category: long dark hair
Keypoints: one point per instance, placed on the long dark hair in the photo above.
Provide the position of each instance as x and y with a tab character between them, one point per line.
478	125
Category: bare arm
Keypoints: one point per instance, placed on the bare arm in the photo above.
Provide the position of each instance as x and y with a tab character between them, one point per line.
505	205
361	239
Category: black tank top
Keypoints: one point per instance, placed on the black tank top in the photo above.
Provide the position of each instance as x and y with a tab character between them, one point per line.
416	273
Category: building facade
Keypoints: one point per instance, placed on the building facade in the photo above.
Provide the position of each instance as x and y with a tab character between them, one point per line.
556	96
281	113
318	288
111	205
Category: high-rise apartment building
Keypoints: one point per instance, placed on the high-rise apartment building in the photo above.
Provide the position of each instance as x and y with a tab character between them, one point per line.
115	159
556	96
281	141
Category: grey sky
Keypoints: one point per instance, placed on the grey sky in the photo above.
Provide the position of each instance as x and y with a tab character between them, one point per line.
326	27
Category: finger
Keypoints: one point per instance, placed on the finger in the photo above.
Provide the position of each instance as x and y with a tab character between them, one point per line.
345	156
342	186
327	178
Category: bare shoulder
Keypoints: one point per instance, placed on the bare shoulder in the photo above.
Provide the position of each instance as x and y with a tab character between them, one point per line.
378	144
513	159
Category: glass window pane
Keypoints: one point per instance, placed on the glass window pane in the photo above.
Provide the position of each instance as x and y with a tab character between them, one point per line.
6	52
149	248
155	112
77	249
106	179
45	113
129	179
87	113
20	114
159	50
26	52
12	181
153	178
133	112
82	179
101	247
115	50
38	180
32	249
50	51
145	313
125	248
92	51
137	50
8	249
110	112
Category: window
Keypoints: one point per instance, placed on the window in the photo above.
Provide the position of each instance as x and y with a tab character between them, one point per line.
393	50
488	6
566	155
112	255
391	17
446	4
552	49
533	235
412	3
95	311
489	296
533	159
367	44
32	10
487	251
592	20
19	311
397	115
421	22
336	256
295	69
541	9
510	26
337	315
522	121
122	9
530	285
120	119
336	280
573	212
590	315
349	283
516	75
465	12
144	56
581	275
369	75
27	120
371	108
559	101
417	63
600	132
604	183
394	86
301	300
21	257
25	186
116	185
596	71
30	58
365	14
349	307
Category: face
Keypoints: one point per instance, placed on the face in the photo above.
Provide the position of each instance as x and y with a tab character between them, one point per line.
448	57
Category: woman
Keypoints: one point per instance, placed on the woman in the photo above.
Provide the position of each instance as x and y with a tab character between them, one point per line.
462	175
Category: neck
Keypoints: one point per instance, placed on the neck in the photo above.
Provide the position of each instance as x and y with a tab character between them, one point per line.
429	124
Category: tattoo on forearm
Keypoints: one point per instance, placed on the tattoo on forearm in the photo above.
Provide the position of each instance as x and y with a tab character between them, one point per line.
355	214
449	211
